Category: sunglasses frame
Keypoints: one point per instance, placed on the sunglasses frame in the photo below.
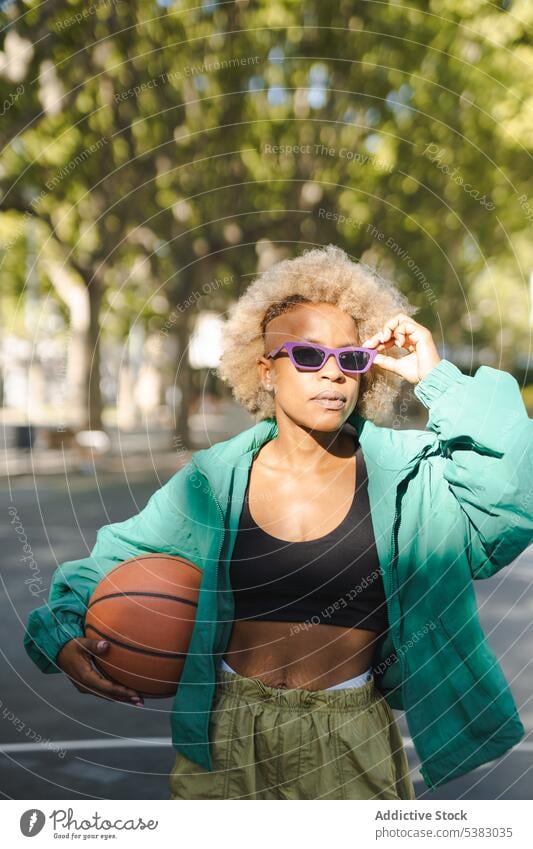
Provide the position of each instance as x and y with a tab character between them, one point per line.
327	351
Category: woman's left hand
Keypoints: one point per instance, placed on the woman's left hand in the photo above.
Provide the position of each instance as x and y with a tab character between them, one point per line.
403	331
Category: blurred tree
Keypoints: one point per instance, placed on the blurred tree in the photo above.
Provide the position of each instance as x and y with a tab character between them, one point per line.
165	147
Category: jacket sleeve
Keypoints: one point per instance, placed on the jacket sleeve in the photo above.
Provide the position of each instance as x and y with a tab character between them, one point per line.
163	526
486	436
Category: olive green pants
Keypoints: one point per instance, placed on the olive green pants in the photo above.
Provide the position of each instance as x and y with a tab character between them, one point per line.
274	743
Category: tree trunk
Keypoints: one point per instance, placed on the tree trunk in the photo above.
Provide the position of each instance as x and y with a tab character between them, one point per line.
83	397
94	406
182	436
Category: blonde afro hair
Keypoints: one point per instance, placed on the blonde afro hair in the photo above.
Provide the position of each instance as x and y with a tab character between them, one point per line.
319	275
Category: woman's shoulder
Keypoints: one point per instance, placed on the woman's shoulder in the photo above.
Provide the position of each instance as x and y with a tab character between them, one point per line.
394	448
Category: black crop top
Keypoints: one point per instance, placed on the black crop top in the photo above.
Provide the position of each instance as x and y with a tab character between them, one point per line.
333	580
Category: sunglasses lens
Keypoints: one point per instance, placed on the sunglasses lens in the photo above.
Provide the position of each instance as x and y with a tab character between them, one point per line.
308	357
354	360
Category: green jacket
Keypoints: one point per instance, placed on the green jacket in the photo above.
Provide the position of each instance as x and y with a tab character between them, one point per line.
448	504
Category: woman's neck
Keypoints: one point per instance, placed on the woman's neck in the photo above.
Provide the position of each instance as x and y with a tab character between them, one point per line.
311	451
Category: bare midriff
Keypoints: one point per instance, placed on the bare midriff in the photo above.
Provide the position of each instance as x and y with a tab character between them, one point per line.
306	655
297	654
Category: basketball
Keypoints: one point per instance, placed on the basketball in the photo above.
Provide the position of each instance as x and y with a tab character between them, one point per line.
146	608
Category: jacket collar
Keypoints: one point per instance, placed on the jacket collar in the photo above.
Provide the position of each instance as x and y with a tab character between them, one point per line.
239	450
382	447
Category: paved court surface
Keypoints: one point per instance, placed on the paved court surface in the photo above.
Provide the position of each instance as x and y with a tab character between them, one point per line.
90	752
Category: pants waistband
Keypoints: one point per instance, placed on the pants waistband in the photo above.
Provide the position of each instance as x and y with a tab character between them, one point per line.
356	681
358	695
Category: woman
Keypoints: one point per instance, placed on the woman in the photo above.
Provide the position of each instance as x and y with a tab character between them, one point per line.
307	540
325	540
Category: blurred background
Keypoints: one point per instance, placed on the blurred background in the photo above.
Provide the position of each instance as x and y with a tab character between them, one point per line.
155	156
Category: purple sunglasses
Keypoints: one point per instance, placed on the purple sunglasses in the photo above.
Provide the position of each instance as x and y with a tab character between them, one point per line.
311	357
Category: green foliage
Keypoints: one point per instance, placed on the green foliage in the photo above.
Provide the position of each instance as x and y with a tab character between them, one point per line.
162	144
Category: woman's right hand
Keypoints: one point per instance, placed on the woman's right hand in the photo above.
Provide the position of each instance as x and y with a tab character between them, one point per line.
75	659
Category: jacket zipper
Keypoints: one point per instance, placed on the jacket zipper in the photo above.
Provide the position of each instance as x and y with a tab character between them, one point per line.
394	569
394	560
394	565
217	567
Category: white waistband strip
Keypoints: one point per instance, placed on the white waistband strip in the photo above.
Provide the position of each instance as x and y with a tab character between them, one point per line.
356	681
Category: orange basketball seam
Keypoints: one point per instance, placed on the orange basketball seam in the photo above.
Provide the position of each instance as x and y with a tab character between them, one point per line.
153	652
151	595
